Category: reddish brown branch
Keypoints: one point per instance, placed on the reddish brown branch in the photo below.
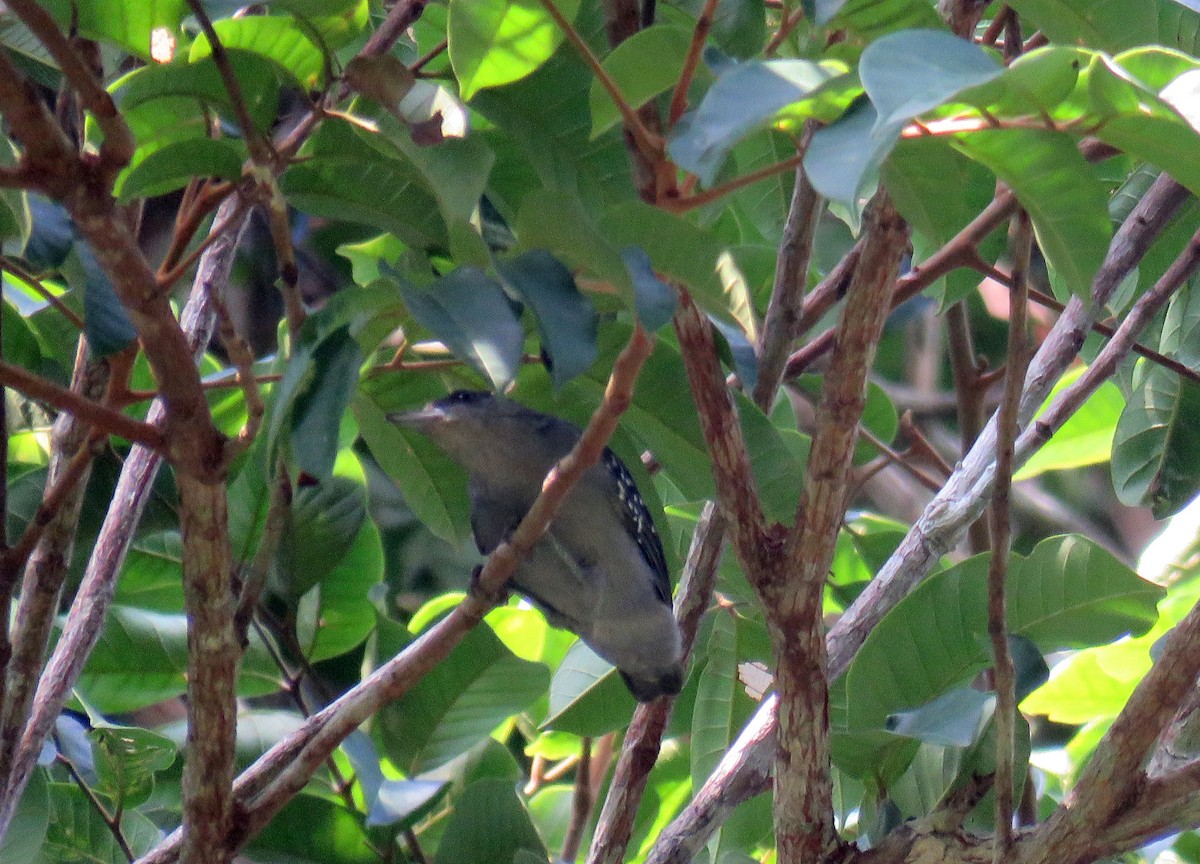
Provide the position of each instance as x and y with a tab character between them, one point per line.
98	415
690	62
1004	673
736	487
803	785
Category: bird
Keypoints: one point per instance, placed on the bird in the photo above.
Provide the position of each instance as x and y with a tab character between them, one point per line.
599	570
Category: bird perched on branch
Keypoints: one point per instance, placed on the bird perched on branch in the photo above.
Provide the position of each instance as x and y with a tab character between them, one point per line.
599	570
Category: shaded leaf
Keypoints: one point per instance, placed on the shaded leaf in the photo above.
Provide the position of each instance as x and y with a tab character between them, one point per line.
490	823
494	42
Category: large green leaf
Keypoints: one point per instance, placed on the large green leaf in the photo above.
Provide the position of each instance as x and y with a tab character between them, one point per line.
77	832
1064	198
749	95
494	42
347	179
27	831
873	17
470	313
490	824
1087	436
1108	25
130	25
14	205
341	616
1068	593
141	659
566	320
312	830
174	165
1155	462
458	703
127	758
644	65
587	696
320	527
275	37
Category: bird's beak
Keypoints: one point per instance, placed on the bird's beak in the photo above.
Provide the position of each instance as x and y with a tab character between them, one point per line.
422	419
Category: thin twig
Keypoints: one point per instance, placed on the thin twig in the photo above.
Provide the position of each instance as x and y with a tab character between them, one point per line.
191	213
167	278
785	27
970	393
690	62
1004	674
268	544
98	415
428	56
581	803
691	202
15	268
648	143
242	360
113	823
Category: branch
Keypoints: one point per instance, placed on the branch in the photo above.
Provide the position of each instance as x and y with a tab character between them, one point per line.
94	596
582	803
782	323
1004	673
793	605
102	417
691	202
47	567
699	34
260	152
118	145
954	254
213	653
745	767
736	487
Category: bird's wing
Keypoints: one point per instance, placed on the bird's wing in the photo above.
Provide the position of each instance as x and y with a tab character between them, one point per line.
639	524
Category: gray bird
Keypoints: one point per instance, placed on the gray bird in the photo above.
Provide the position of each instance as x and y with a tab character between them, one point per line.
599	571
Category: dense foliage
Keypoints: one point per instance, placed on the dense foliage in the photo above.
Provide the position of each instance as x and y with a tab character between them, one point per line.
803	250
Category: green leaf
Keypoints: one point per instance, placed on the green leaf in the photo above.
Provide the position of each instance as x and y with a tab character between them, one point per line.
747	96
105	321
76	832
644	65
1087	436
1065	200
14	204
129	25
347	179
566	319
587	696
311	830
343	616
1155	462
257	77
559	222
458	703
433	486
469	312
175	165
321	526
910	72
494	42
1069	593
843	158
1092	684
870	18
141	659
1108	25
127	758
275	37
684	252
317	411
489	824
27	831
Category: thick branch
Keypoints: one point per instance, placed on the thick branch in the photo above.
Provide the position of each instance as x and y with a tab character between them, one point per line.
803	785
213	653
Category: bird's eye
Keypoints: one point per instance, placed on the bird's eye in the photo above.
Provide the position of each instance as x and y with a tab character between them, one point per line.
466	397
